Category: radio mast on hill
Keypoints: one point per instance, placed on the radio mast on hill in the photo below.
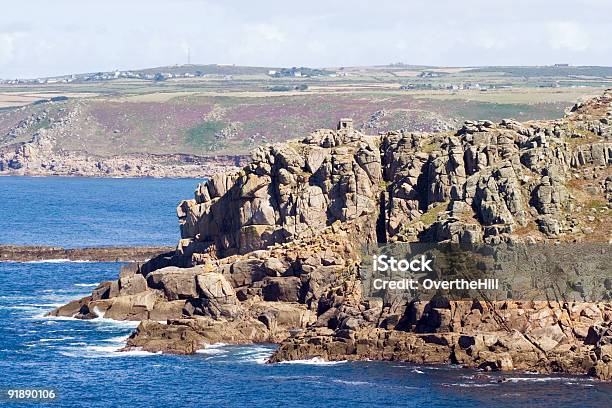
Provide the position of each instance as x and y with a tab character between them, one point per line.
188	56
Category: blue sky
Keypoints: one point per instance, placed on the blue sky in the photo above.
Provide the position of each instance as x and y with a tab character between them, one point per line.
40	38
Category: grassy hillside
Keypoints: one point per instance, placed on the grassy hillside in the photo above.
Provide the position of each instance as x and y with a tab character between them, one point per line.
214	114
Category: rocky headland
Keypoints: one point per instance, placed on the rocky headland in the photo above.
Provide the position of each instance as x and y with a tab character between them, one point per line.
275	252
40	154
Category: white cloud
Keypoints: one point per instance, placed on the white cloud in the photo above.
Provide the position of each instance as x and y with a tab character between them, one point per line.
568	35
267	32
7	47
316	33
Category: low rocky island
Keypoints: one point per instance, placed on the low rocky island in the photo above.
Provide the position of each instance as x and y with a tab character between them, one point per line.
30	253
275	252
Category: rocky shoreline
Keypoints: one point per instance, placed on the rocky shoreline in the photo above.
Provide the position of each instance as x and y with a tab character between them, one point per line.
277	252
29	253
40	156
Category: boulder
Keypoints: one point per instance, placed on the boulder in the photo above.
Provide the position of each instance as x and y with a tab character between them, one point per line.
281	289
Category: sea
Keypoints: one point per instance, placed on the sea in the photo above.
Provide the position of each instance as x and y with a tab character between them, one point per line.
81	363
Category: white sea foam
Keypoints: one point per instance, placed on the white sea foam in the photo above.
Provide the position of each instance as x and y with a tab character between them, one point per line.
314	361
105	352
253	354
28	308
51	319
118	339
314	378
48	305
537	379
116	323
213	349
346	382
99	321
44	261
209	351
471	385
414	370
98	313
111	322
56	339
87	285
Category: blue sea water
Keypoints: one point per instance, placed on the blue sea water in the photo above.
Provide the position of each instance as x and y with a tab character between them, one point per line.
80	359
79	212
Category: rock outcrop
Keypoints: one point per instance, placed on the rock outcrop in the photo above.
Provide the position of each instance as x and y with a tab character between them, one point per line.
273	252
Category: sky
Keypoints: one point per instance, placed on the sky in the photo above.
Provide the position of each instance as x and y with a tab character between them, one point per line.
44	38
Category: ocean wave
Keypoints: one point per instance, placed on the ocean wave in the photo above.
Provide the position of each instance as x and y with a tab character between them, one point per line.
118	339
64	330
105	352
470	385
420	368
29	308
237	353
213	349
539	379
253	354
347	382
45	261
314	378
56	339
314	361
52	319
98	321
103	321
111	322
48	305
87	285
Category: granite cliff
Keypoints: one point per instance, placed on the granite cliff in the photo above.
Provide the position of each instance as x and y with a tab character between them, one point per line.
274	252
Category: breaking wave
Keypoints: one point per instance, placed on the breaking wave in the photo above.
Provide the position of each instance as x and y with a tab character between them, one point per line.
314	361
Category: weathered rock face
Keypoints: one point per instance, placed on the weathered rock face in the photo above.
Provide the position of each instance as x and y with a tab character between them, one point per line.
272	252
539	336
486	182
266	293
288	191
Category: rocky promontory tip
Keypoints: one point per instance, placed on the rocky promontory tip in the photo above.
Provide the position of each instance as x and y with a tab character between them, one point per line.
275	251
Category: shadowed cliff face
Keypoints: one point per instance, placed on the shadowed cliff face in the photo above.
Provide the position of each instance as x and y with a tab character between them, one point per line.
272	252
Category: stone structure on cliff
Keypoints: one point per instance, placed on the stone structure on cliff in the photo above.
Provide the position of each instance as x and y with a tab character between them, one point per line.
272	253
